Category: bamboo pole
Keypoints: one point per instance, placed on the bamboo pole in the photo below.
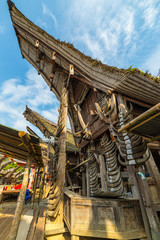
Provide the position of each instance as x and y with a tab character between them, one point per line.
82	163
140	120
21	199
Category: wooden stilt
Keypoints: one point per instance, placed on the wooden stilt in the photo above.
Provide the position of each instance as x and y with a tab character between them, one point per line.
21	199
60	175
153	171
103	173
40	187
62	150
69	180
87	180
83	183
34	189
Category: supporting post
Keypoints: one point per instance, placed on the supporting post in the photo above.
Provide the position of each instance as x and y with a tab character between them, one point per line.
69	181
148	203
87	180
56	213
34	188
62	150
21	199
41	187
153	171
103	173
83	183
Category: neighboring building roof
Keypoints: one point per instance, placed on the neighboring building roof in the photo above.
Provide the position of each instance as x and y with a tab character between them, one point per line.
130	82
147	124
12	145
48	128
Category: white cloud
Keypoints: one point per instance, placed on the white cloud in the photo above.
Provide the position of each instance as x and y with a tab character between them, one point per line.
48	12
52	115
92	45
16	94
41	23
106	29
150	11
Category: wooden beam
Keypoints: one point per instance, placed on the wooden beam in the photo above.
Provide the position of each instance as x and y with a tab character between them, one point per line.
83	183
41	187
87	180
34	188
21	199
103	173
154	172
69	180
79	165
148	203
62	149
61	166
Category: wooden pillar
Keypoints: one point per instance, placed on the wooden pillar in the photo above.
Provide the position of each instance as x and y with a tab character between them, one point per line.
153	171
148	202
21	199
83	183
34	188
103	173
62	149
57	219
41	187
87	180
69	181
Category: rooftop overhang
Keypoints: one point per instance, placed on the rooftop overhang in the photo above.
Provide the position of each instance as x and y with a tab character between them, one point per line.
53	60
146	124
48	128
20	145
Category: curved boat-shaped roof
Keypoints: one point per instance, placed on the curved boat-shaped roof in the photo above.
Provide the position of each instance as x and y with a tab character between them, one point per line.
49	128
132	83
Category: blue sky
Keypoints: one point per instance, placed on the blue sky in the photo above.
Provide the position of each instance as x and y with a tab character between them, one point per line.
119	33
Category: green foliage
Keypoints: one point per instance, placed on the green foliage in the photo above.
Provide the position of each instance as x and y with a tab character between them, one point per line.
147	74
11	165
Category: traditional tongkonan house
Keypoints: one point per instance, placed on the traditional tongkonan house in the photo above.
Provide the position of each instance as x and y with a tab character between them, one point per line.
119	167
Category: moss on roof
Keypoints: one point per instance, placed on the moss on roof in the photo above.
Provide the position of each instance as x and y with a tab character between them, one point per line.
93	62
51	128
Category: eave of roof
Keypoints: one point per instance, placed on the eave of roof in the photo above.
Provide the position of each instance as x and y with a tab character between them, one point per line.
48	128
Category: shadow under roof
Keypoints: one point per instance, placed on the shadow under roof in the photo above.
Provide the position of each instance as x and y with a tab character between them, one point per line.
147	124
12	145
